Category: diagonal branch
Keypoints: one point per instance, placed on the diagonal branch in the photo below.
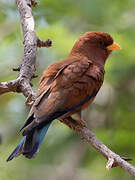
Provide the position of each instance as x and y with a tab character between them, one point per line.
113	158
26	73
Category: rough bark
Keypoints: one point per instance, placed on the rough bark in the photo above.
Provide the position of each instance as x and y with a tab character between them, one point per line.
31	42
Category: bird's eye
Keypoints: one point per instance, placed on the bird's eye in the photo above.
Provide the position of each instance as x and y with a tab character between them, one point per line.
101	43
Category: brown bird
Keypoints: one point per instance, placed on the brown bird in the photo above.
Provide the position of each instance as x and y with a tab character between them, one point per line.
66	88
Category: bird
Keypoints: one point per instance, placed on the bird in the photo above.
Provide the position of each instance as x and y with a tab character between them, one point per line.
66	87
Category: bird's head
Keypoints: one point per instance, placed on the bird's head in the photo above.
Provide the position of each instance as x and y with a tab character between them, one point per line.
96	46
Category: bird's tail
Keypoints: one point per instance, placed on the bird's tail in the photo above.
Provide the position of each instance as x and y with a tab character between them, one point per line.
30	144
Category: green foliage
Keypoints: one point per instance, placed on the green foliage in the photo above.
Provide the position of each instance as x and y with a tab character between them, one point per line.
63	154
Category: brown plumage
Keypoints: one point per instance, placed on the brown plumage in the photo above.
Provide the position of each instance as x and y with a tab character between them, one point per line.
67	87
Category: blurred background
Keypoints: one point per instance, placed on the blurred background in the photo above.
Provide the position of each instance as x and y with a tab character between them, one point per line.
63	154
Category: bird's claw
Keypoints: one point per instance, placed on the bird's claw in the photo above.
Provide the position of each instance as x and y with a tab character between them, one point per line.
82	122
29	101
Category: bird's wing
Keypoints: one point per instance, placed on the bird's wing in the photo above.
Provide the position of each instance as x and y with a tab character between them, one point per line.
66	90
49	75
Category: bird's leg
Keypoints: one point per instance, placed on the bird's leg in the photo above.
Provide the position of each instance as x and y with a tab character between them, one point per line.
72	121
79	118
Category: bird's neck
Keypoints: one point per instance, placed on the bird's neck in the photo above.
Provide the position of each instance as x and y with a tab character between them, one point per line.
97	56
97	60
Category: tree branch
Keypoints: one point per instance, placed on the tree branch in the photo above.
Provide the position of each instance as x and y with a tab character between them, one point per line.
31	42
113	159
26	73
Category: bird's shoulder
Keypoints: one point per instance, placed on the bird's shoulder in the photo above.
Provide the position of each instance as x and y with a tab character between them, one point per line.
70	67
96	72
82	71
77	68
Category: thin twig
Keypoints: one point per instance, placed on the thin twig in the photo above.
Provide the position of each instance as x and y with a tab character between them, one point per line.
46	43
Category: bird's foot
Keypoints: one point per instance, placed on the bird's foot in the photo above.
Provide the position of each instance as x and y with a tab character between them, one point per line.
29	101
82	122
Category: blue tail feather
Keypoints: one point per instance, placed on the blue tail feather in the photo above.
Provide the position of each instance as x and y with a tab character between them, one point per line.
16	151
42	133
30	144
38	137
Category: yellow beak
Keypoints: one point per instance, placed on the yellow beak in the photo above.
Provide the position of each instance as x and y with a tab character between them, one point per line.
114	46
